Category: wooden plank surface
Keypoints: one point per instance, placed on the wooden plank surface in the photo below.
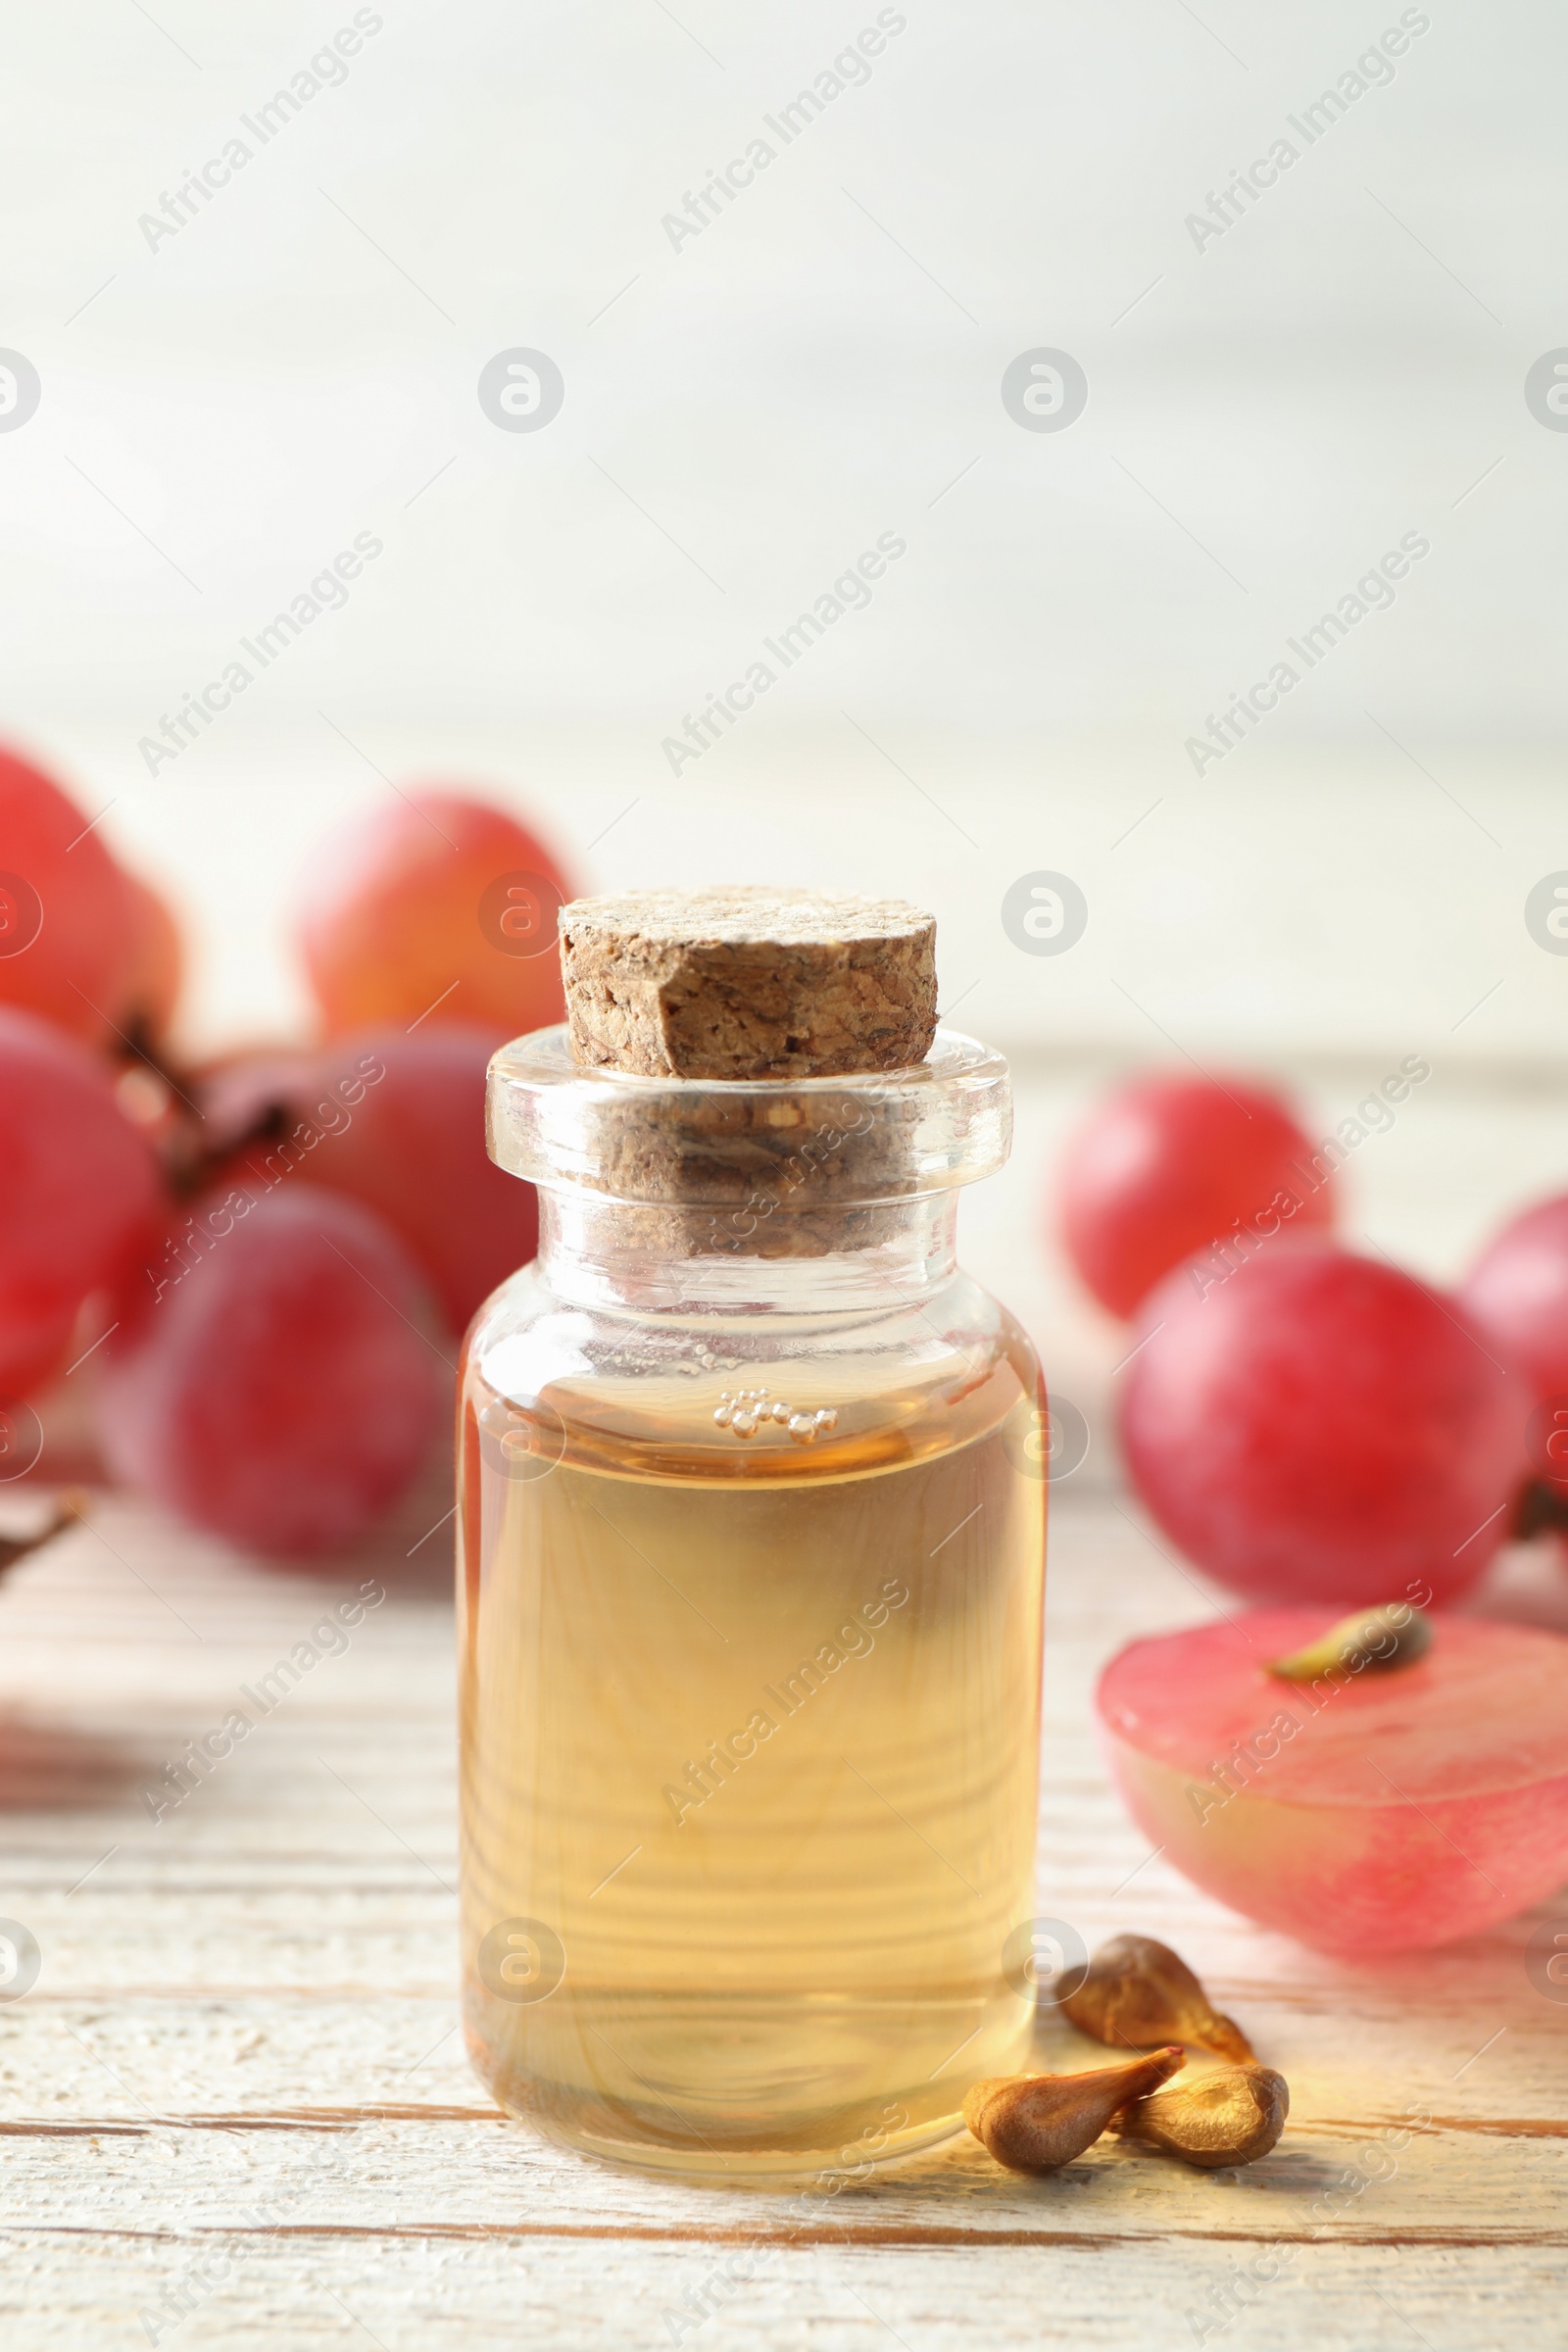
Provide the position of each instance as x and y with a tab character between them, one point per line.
236	2091
235	2110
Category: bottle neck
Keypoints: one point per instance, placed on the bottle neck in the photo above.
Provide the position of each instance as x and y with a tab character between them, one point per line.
873	1257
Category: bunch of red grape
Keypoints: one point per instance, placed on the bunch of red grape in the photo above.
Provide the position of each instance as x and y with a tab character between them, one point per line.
261	1266
1306	1422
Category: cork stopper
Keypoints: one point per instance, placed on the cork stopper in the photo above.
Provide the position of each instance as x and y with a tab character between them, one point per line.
748	984
658	1171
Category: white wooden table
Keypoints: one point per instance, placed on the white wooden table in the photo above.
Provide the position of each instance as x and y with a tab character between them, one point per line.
237	2087
237	2091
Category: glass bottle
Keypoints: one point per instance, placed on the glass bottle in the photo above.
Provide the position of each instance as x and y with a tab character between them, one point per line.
751	1568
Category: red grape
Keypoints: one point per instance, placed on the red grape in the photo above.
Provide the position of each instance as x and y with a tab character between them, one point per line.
1320	1427
435	906
1168	1165
65	911
1518	1289
79	1193
271	1383
397	1122
246	1098
157	965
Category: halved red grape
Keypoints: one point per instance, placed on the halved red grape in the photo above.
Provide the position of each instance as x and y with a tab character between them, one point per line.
272	1383
397	1122
1366	1811
435	907
1168	1165
1322	1427
65	910
79	1193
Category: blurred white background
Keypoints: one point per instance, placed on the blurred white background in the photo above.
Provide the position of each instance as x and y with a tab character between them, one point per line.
223	407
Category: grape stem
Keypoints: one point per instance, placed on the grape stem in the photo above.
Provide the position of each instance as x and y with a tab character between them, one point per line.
1542	1503
70	1507
190	1158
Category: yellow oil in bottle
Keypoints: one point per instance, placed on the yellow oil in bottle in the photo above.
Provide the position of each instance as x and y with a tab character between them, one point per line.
750	1753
